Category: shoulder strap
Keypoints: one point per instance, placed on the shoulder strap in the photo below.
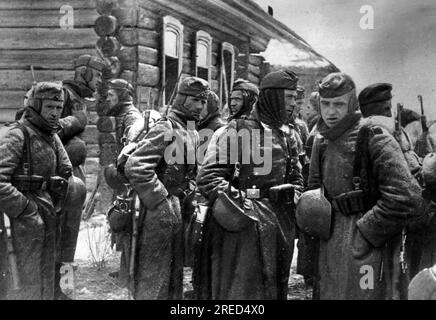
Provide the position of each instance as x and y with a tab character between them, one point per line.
27	152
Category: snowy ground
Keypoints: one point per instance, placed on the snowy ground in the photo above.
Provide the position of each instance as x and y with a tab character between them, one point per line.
96	261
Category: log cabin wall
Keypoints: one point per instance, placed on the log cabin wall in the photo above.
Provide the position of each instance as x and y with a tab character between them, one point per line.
36	32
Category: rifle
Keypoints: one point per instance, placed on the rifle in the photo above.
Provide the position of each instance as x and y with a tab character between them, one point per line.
90	204
33	75
398	130
5	229
423	118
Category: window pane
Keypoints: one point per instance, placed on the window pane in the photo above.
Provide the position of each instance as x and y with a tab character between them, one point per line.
202	54
171	76
171	43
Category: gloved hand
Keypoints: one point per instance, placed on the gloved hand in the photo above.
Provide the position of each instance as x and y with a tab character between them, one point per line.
360	246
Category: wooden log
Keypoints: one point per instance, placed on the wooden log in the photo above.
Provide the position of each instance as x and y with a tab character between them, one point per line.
148	75
102	108
45	18
46	4
149	98
92	165
106	124
214	59
105	7
148	38
255	60
128	36
126	17
7	115
108	153
254	70
93	150
92	117
41	58
22	79
147	19
128	57
188	66
11	99
129	76
214	85
109	46
214	73
44	38
253	78
90	135
104	137
148	55
105	26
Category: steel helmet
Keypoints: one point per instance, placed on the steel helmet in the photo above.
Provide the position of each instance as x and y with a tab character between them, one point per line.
314	214
76	193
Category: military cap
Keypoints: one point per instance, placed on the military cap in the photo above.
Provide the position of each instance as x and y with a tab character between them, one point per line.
89	61
300	92
283	79
193	86
122	85
47	91
244	85
377	92
335	85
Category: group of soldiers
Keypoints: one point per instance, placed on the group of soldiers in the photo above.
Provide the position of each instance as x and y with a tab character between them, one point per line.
340	178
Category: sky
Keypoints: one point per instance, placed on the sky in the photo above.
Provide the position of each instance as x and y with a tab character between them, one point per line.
400	49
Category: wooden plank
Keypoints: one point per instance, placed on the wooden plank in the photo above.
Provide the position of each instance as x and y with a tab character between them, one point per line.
11	99
41	58
45	18
148	75
22	79
46	4
45	38
7	115
90	135
92	150
147	19
149	38
148	55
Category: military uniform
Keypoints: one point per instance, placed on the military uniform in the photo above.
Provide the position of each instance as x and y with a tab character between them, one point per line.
126	117
368	240
161	183
254	262
30	207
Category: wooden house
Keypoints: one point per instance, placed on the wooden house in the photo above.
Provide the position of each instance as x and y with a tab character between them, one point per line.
156	42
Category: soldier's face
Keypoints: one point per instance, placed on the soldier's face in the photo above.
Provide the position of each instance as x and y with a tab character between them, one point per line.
334	110
112	97
290	103
236	101
195	106
384	109
51	111
96	78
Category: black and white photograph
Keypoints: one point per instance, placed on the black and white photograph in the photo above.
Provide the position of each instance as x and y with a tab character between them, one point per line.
217	154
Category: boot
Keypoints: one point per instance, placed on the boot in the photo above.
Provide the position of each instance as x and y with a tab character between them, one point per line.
58	293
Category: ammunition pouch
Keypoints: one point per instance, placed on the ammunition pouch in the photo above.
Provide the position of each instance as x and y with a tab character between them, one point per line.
29	183
350	203
119	215
283	194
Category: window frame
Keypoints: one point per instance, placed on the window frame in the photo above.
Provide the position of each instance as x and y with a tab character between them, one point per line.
225	46
172	24
206	38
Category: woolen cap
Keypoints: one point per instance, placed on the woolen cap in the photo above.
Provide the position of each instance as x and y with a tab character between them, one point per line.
377	92
283	79
335	85
193	86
